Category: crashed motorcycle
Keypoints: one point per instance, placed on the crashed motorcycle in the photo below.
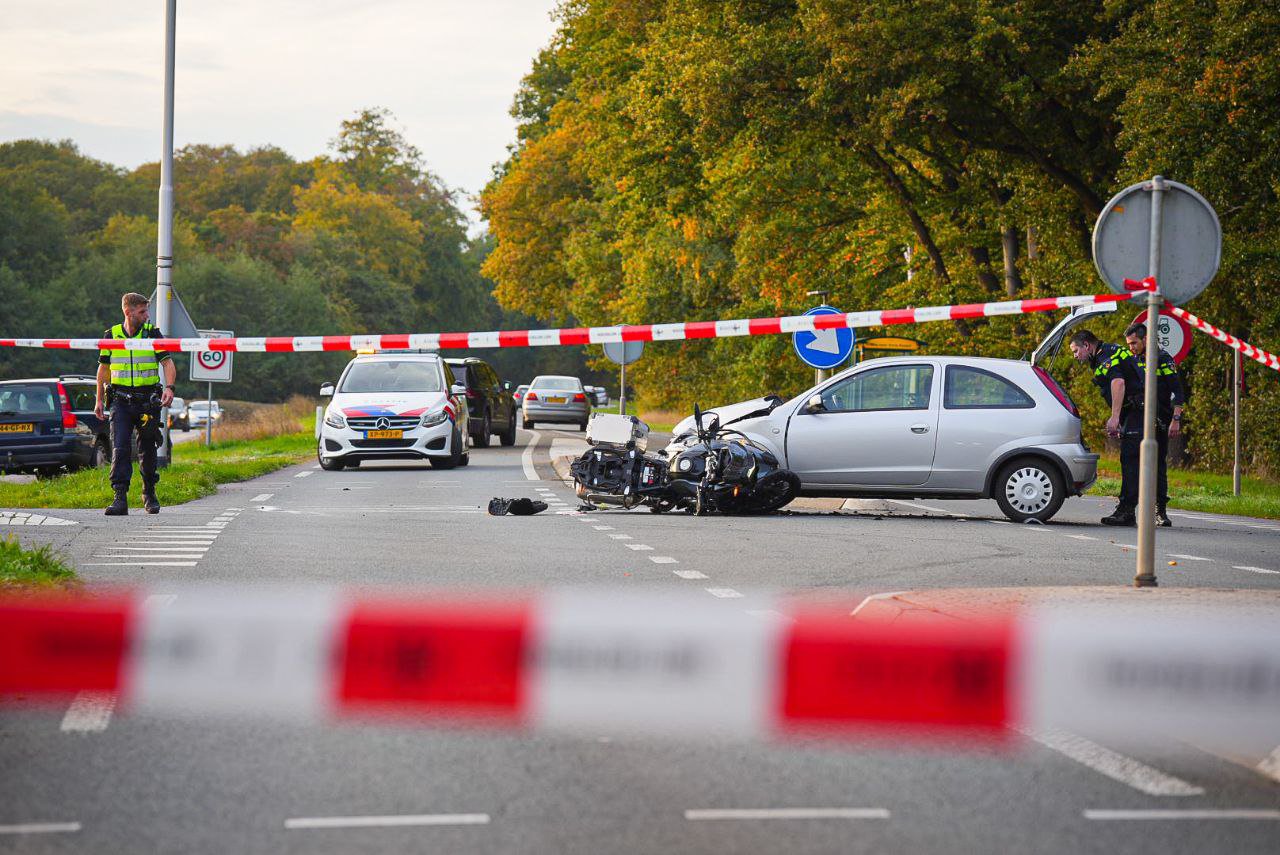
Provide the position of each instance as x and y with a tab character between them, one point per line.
710	469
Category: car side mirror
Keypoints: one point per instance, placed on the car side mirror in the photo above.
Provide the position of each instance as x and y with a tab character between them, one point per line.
326	390
713	425
815	405
457	389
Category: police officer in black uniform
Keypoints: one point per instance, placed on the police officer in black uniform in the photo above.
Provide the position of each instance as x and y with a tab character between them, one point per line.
1115	373
129	383
1170	399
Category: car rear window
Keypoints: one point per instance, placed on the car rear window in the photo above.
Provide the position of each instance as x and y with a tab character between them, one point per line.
28	399
970	388
392	376
563	383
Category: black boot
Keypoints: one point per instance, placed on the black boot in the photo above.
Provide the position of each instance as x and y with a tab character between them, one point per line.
1162	518
119	507
149	501
1122	517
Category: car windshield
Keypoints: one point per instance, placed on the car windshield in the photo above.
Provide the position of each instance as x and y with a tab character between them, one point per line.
27	400
567	384
392	376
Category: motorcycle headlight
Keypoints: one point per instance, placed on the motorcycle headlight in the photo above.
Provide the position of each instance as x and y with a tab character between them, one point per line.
334	420
433	419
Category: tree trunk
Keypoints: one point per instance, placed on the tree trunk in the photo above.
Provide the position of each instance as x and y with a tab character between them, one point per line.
1012	279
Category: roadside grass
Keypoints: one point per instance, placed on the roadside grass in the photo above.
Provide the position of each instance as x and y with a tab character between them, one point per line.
1202	491
41	567
196	472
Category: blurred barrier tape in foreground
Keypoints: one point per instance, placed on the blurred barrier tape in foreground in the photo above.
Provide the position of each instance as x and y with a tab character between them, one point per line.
656	662
574	335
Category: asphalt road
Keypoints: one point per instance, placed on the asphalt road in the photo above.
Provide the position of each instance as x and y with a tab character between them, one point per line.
82	779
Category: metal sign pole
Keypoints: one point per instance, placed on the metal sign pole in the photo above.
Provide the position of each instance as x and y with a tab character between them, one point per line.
208	418
1145	577
164	230
1235	465
622	390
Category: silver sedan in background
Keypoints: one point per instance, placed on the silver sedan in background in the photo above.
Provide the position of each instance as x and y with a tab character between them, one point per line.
556	398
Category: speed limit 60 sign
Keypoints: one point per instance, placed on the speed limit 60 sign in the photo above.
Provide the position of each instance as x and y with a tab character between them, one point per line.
212	366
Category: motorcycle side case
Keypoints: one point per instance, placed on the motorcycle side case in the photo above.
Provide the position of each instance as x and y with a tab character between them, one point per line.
617	431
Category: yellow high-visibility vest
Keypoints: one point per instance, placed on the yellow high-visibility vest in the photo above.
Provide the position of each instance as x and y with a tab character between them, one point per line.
134	368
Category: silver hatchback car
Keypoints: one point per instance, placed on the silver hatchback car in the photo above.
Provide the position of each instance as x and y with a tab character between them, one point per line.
555	398
942	427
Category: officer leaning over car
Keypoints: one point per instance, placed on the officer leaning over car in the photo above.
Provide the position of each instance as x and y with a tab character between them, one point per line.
1170	399
1115	373
129	385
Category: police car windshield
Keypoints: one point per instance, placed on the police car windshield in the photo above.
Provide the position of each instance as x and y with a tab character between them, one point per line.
392	376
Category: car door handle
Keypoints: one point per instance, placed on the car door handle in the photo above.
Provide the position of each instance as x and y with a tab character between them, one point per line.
919	428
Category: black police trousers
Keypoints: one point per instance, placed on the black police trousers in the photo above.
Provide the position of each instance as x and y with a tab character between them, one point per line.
1130	469
127	414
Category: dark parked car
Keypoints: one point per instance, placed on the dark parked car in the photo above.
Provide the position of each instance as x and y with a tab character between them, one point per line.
48	424
489	403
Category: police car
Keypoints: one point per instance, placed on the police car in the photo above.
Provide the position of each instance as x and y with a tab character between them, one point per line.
394	406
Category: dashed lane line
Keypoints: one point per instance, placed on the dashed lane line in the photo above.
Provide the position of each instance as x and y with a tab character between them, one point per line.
90	712
662	559
710	814
929	508
401	821
639	547
1255	569
1081	537
724	593
690	574
618	536
1188	557
40	828
305	474
603	528
1198	814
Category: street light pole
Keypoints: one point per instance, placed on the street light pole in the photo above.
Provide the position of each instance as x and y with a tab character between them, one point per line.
1145	577
164	219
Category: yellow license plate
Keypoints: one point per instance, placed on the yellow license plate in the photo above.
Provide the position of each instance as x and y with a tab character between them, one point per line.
556	400
384	434
18	428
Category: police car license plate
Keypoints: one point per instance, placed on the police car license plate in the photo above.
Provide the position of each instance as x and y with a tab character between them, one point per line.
556	400
22	427
383	434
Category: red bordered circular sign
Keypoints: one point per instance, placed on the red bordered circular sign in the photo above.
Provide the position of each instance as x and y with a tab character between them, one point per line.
1174	335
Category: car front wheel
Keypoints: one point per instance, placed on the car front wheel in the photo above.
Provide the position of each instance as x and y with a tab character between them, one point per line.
1029	489
329	464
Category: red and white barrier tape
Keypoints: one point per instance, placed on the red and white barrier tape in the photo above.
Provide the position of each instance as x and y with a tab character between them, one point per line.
648	662
1268	359
574	335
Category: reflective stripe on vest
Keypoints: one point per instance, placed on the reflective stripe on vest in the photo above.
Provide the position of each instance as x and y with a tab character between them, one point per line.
133	368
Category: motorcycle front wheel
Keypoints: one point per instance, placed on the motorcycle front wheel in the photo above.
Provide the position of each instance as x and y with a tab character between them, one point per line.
773	492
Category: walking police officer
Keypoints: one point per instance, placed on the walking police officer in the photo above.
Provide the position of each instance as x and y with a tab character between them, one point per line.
1115	373
1170	399
130	382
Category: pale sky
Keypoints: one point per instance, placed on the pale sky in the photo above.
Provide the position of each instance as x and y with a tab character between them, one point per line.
280	72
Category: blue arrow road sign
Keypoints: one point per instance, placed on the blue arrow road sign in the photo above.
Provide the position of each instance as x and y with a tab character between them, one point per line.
824	348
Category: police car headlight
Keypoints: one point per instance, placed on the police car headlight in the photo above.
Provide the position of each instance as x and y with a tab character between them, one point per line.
439	417
334	420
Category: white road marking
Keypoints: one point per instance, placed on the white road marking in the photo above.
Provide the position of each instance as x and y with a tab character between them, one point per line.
927	508
603	528
151	555
618	536
12	518
303	474
1125	545
690	574
639	547
1081	537
141	564
156	600
157	548
90	712
388	821
1188	557
885	596
39	828
1203	813
662	559
526	457
724	593
787	813
1254	569
999	522
1112	764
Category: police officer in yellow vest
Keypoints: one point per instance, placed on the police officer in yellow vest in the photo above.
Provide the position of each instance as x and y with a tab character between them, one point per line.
131	380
